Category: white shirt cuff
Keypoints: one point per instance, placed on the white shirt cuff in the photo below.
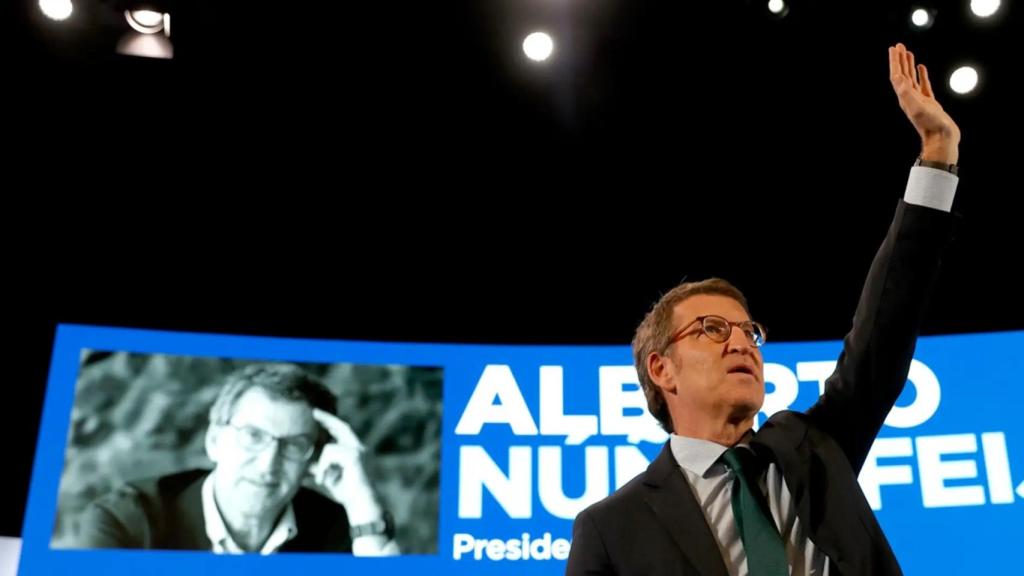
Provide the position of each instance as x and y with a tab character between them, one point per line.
931	187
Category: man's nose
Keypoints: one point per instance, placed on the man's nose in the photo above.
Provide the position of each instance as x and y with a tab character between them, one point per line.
739	341
269	458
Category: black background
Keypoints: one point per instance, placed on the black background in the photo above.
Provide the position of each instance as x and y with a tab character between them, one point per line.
400	172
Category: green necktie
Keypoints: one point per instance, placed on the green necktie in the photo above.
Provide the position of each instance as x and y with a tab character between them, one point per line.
766	553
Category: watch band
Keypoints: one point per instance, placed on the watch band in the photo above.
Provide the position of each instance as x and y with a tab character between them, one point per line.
951	168
384	526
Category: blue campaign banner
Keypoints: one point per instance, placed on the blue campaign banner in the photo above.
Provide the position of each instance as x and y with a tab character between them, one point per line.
530	435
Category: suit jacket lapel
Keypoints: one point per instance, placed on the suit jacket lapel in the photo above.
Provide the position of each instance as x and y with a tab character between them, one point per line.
673	502
784	445
186	526
784	439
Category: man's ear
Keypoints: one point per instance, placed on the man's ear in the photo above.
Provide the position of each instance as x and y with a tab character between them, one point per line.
212	443
660	370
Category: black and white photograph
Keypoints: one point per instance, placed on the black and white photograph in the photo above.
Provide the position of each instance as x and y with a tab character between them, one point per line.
230	456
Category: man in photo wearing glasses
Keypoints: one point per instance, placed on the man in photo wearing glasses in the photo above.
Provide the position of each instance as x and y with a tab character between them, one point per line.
271	427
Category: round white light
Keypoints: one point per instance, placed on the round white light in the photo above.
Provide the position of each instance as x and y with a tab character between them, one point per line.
538	46
984	8
963	80
776	6
56	9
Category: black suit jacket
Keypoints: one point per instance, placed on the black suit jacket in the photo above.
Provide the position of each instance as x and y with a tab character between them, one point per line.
167	513
654	525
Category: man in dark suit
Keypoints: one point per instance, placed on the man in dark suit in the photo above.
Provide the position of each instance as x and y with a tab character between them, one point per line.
721	500
271	427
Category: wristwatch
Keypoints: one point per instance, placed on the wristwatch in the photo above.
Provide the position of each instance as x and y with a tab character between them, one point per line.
384	526
951	168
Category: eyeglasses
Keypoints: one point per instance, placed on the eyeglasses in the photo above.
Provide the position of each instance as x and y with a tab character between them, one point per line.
253	439
719	330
